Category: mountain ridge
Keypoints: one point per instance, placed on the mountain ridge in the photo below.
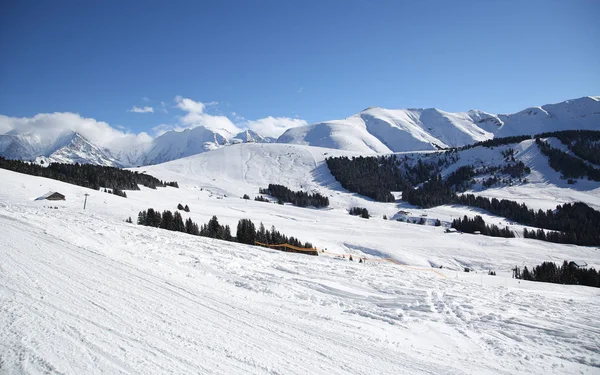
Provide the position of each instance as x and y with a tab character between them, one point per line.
375	130
431	128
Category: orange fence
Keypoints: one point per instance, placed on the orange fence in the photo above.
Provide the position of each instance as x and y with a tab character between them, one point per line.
287	246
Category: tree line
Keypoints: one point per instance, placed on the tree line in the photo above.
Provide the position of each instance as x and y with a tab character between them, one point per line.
495	142
583	143
359	211
246	231
567	165
574	223
297	198
87	175
568	273
477	224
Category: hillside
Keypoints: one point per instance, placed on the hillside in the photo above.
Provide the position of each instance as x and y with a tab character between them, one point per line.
107	296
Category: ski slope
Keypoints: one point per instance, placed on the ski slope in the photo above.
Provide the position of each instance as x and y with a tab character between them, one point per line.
84	292
81	291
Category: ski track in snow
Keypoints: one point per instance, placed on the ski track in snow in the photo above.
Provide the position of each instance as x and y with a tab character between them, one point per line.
115	297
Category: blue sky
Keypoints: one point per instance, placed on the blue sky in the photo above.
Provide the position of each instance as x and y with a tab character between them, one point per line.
308	60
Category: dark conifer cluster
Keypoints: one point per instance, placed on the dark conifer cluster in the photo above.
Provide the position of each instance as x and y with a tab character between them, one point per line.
246	231
569	273
377	177
87	175
297	198
115	191
182	208
495	142
577	222
359	211
432	193
567	165
477	224
583	143
574	223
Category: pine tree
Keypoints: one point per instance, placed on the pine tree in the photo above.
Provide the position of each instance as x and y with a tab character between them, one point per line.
178	222
167	221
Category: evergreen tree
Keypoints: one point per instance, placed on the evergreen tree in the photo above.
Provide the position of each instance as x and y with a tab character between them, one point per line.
246	232
178	224
167	221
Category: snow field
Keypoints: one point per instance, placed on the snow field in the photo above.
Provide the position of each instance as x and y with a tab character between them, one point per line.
85	292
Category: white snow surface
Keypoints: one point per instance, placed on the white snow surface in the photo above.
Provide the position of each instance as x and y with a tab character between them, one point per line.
81	291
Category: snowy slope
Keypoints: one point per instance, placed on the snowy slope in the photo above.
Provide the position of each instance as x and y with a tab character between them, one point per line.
350	134
236	170
428	129
84	292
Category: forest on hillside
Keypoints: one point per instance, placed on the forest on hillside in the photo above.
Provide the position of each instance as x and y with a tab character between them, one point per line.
87	175
583	143
568	166
297	198
423	186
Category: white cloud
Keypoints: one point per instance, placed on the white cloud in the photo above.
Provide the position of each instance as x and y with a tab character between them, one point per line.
137	109
189	105
51	125
273	126
196	116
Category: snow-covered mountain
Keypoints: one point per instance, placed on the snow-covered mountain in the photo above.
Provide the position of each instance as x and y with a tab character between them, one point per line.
178	144
382	130
252	136
374	130
68	147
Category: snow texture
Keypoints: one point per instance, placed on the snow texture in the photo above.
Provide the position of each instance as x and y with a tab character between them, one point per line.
81	291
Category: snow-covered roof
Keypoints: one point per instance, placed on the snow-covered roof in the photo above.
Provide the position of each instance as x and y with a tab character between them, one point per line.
47	195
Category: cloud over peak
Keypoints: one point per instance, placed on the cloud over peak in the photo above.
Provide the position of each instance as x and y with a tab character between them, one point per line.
51	125
116	138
